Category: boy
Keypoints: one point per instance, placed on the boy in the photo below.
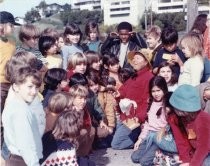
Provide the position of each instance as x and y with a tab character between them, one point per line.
121	42
170	52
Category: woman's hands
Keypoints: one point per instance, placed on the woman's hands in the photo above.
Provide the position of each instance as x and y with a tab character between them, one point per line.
137	144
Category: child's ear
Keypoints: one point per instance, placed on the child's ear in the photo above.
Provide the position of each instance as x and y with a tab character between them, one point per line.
15	87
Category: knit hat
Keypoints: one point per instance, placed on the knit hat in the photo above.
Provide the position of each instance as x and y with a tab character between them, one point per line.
186	98
146	53
6	17
124	25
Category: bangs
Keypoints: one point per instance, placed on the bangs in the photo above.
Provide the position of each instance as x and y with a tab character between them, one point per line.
78	90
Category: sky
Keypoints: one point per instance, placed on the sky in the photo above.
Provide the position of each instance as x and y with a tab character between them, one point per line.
19	7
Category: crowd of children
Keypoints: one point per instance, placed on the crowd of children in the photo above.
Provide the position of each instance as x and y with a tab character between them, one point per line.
62	97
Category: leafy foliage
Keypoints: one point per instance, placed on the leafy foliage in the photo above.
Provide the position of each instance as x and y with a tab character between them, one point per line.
32	16
166	19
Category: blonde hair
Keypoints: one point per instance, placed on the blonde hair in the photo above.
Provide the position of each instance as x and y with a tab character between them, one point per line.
76	59
58	102
154	31
78	90
193	43
28	31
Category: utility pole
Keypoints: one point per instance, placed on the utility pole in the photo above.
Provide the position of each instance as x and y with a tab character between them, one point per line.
145	14
192	12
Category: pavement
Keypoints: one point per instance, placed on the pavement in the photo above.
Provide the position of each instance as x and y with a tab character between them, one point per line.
111	157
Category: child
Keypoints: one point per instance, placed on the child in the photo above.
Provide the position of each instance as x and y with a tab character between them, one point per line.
153	40
60	144
48	48
77	63
72	37
58	103
29	35
187	106
170	52
119	43
26	149
193	50
166	70
204	91
111	68
93	61
92	33
55	80
144	148
78	97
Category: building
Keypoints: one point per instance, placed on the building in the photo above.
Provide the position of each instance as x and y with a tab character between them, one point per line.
116	11
86	4
174	6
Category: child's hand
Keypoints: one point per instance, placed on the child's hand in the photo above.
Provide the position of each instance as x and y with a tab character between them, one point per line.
102	124
110	129
114	34
116	94
137	144
176	59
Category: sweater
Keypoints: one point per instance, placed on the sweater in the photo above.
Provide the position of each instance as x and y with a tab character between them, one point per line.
192	75
57	152
154	122
137	89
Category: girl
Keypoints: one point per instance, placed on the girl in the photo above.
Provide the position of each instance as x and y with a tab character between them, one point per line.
26	149
193	50
144	148
93	61
78	97
187	106
92	33
111	68
72	37
166	70
48	48
58	103
55	80
60	144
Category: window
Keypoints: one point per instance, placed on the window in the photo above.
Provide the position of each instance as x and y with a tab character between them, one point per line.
120	15
125	2
120	9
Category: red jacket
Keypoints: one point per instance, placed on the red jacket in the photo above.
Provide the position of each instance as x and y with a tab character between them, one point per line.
137	89
182	143
199	136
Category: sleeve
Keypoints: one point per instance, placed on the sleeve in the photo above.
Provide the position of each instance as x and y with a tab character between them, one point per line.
98	112
106	45
64	53
183	145
139	41
196	73
144	131
181	55
25	140
202	141
158	59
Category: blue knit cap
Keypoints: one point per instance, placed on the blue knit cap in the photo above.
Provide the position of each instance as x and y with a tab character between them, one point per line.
186	98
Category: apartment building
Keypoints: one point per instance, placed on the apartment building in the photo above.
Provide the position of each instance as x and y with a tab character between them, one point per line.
86	4
116	11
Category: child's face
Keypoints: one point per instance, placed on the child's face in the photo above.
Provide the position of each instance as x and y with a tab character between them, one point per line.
74	39
79	103
152	41
94	87
157	94
96	65
27	90
166	73
52	50
124	35
114	68
81	68
32	42
186	50
60	42
206	94
8	28
93	35
170	47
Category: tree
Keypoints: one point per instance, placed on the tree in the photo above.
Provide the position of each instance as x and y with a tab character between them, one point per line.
32	16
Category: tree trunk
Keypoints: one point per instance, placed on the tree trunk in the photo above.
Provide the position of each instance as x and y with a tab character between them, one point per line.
192	12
